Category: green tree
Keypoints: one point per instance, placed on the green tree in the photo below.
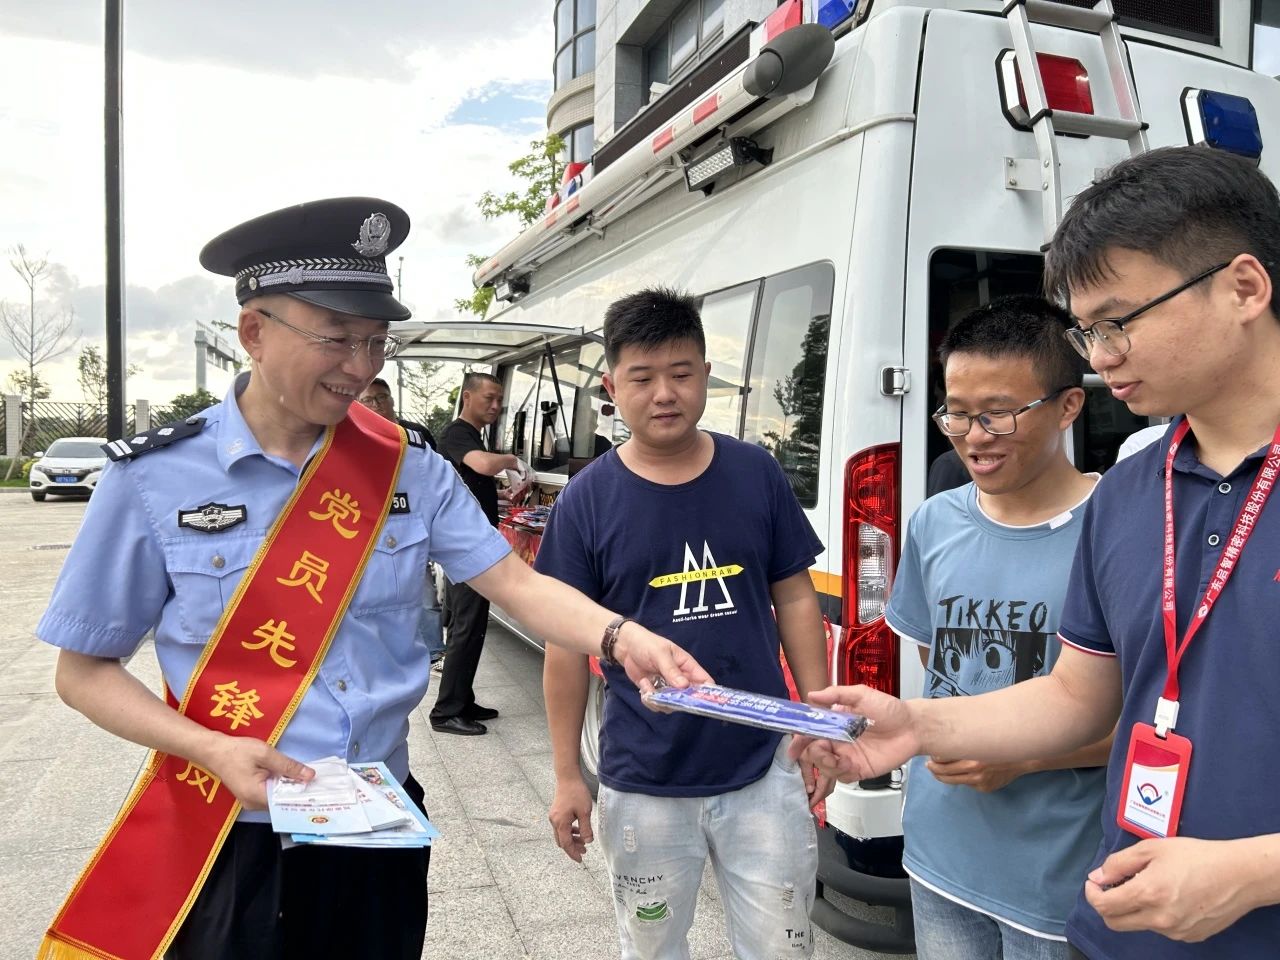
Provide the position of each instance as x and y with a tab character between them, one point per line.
91	369
442	414
30	385
540	169
420	388
189	404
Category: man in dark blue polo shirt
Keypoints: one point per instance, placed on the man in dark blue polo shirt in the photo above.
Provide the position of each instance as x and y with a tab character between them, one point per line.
1170	267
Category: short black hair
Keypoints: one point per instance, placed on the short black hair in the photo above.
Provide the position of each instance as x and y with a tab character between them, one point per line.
474	378
1020	326
650	318
379	382
1188	207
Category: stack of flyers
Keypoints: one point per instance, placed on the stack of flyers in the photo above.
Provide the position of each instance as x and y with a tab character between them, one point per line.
758	710
361	805
535	517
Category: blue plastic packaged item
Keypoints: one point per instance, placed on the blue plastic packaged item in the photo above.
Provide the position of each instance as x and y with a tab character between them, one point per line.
758	710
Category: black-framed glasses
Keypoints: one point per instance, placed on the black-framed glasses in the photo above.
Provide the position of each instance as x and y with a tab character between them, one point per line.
998	423
376	399
383	346
1109	334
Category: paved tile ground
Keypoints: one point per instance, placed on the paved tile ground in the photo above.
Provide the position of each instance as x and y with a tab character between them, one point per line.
500	888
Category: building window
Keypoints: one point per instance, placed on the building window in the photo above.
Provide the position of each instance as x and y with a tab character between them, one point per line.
575	40
579	143
692	32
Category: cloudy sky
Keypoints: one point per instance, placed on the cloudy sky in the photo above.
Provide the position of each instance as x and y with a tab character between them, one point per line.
238	107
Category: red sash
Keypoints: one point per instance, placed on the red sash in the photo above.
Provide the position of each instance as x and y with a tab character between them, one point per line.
138	887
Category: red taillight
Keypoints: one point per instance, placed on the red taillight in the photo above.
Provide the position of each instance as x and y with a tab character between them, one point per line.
1066	85
868	647
790	14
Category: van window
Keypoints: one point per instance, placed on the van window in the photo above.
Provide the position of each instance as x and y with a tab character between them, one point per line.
594	418
789	373
726	323
555	411
962	280
519	403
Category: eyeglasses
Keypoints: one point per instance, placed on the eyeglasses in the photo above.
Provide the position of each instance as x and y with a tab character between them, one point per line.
1110	335
382	347
375	399
998	423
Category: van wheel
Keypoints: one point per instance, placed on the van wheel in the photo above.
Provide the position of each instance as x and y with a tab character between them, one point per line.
37	497
593	719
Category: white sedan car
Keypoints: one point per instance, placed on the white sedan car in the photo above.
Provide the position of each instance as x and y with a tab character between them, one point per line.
70	465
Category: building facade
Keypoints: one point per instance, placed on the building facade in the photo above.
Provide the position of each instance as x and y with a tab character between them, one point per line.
614	57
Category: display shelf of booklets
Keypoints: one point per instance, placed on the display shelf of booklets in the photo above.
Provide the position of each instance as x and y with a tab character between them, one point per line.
522	527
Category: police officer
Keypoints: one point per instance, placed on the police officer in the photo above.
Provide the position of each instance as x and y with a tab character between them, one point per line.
175	540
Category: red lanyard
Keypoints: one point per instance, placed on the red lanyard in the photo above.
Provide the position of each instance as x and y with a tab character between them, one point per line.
1167	709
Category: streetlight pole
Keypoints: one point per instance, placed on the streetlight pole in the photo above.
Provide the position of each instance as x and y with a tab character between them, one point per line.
113	54
400	366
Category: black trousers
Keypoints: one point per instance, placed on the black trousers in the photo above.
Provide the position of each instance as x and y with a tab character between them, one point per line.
265	903
466	617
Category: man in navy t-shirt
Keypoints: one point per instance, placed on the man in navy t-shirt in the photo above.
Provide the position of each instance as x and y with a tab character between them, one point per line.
700	536
1170	267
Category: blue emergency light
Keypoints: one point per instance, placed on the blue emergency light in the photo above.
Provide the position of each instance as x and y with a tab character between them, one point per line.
1223	121
834	12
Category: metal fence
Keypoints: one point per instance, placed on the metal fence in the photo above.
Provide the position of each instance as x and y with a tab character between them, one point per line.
48	420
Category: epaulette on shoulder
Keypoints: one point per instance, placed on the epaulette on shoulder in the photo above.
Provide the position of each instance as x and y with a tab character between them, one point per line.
415	438
153	439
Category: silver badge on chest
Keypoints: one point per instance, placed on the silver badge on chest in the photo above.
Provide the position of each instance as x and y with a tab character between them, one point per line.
213	517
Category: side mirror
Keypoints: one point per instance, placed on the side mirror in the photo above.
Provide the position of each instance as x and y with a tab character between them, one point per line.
38	454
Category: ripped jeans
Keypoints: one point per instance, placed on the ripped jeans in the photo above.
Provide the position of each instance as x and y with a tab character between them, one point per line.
763	850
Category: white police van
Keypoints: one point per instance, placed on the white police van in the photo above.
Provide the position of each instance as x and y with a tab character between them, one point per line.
835	207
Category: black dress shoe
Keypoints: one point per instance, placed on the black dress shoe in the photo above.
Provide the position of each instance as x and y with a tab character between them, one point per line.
477	712
459	725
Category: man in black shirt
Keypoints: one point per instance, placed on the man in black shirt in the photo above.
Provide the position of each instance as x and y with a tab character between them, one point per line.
466	613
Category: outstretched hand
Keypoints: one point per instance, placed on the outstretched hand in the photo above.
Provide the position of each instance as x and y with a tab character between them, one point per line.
646	656
889	742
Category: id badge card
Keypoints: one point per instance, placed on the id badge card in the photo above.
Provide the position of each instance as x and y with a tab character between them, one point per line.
1155	777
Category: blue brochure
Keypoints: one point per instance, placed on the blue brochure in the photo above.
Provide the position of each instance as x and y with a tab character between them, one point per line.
758	710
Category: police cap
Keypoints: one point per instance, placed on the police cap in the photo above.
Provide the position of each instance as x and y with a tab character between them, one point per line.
328	252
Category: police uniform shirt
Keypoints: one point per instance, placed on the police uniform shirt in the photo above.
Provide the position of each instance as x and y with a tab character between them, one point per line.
133	567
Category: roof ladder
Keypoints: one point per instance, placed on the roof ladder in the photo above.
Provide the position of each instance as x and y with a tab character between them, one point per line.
1100	19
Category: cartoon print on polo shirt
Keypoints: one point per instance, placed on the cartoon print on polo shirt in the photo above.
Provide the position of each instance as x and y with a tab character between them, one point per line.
704	586
984	645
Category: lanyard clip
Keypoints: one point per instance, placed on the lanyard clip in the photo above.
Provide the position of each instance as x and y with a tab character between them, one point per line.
1166	716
